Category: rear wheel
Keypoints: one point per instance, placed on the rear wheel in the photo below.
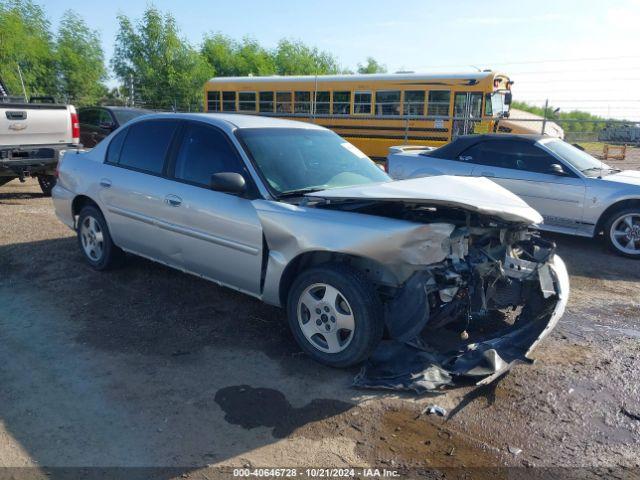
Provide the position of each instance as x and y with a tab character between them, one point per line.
335	315
95	240
622	232
47	182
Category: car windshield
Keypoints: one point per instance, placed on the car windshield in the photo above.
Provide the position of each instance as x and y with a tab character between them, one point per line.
298	160
125	116
579	159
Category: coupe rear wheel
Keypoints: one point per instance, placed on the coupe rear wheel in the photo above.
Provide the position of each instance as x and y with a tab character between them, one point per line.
622	232
95	240
335	315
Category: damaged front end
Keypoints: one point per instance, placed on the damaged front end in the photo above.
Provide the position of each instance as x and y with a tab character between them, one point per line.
498	292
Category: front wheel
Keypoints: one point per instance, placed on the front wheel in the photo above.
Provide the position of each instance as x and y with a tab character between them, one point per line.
622	232
335	315
47	182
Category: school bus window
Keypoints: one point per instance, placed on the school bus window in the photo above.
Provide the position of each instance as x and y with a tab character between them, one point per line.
283	102
362	102
323	103
388	102
229	101
414	103
303	102
341	103
213	101
266	101
438	105
247	101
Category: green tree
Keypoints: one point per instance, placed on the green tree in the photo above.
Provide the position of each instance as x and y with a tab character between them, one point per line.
231	58
80	61
372	66
296	58
26	42
161	67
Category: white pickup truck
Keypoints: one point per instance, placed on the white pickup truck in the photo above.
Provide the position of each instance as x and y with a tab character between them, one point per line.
33	136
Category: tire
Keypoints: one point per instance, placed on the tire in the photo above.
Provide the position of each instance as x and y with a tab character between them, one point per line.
622	232
316	320
47	182
95	240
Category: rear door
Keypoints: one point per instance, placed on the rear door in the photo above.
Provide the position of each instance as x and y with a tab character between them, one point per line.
525	169
220	234
134	190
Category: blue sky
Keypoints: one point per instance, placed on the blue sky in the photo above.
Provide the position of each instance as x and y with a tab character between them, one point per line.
576	53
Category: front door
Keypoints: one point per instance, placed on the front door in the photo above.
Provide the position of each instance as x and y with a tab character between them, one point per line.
467	111
220	234
525	170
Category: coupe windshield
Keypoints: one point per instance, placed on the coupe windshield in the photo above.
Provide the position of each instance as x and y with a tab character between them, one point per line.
294	160
579	159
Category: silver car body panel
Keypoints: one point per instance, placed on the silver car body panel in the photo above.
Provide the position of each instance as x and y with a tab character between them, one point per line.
572	205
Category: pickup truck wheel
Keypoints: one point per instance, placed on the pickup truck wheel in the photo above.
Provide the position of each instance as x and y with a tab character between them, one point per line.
622	232
47	182
95	240
335	315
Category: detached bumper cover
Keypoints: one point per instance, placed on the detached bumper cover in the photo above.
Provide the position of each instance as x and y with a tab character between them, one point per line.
418	367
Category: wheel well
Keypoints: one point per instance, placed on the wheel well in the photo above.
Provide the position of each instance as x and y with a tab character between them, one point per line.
633	202
79	203
375	271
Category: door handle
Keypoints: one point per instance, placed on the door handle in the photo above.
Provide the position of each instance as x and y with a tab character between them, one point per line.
105	182
173	200
487	174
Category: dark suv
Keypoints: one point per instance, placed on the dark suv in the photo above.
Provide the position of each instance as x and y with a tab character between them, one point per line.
98	122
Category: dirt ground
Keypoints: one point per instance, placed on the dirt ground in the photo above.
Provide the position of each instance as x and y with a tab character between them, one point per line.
148	367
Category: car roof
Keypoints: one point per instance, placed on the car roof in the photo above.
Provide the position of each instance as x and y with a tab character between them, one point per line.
234	120
461	143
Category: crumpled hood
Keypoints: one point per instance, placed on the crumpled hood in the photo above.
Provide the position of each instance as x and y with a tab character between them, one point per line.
629	177
476	194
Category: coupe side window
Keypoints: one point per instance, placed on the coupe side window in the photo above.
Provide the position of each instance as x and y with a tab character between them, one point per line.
204	151
146	145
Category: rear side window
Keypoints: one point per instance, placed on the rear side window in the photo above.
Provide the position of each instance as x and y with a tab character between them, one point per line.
146	145
115	146
204	151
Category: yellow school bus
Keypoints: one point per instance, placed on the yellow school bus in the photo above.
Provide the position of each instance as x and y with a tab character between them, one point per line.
373	111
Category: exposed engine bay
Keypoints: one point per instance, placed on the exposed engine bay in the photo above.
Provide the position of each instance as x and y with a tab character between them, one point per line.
475	313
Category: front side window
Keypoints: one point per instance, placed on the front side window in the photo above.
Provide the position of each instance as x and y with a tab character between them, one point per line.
213	101
146	145
323	103
388	102
438	104
266	102
303	102
293	159
341	103
247	101
414	103
229	101
362	102
203	152
283	102
88	116
512	155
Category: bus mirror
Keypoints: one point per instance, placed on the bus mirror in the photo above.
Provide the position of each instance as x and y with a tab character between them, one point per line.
507	98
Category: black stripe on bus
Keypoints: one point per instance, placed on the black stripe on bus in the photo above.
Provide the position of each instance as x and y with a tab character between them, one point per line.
398	137
364	127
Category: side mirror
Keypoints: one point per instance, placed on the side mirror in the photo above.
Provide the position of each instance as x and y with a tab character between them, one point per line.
110	126
228	182
556	169
508	96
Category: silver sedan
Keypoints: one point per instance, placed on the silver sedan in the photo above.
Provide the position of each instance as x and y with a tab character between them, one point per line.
294	215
